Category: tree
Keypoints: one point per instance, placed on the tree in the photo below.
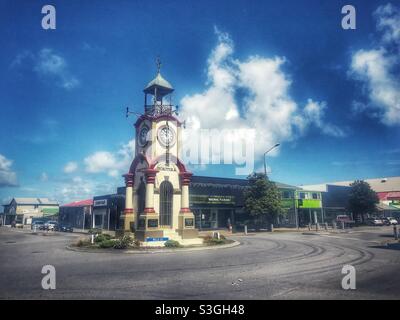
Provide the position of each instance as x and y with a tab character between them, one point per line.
362	199
262	199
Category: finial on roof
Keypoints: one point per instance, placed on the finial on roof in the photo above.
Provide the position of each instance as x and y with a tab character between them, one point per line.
158	63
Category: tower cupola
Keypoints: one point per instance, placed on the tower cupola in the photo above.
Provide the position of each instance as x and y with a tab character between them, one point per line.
160	90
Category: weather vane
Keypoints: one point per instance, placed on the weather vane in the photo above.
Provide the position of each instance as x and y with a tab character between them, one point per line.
158	63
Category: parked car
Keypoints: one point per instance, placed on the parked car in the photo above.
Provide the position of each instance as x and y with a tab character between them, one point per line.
38	225
374	222
64	228
389	221
50	225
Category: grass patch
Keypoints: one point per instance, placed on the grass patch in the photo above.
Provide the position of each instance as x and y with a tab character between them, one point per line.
172	244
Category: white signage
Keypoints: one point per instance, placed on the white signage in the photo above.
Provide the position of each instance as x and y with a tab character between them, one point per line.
100	203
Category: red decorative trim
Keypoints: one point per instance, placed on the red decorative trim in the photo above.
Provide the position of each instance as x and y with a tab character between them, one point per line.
173	159
185	178
156	119
128	211
139	157
128	179
185	210
149	210
150	175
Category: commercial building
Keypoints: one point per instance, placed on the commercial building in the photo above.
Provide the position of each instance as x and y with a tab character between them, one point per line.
334	200
387	189
77	214
215	202
108	211
23	210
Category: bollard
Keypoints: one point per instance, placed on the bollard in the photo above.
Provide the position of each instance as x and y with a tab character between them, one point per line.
272	227
309	227
342	225
316	226
245	229
92	239
395	233
326	226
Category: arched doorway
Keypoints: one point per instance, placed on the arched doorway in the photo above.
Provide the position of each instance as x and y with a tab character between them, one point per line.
166	197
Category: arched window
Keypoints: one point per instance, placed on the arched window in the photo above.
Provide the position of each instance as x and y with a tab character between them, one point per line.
141	194
166	194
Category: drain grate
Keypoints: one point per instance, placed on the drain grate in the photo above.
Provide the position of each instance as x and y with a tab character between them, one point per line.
11	241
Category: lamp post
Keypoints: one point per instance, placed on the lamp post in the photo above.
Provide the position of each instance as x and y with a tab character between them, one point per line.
265	154
265	165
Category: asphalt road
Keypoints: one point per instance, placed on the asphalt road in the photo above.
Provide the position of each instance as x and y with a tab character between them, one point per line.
264	266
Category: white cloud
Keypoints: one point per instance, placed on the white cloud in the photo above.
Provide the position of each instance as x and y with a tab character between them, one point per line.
265	104
314	112
388	22
376	68
80	188
70	167
114	164
8	178
48	65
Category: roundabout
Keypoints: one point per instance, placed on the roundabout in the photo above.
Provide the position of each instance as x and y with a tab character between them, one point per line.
263	266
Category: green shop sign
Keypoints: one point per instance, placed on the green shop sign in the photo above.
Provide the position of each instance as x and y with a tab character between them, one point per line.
309	203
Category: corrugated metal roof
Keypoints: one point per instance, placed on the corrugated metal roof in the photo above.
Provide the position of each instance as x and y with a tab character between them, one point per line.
378	185
34	201
82	203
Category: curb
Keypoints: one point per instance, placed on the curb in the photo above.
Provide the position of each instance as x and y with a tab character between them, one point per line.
149	251
315	233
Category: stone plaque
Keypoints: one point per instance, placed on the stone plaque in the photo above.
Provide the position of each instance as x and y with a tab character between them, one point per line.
152	223
189	222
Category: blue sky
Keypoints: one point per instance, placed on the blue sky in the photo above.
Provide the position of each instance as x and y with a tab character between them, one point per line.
63	92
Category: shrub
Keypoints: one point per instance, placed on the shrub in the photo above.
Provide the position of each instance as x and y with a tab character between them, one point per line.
102	237
95	231
136	243
172	244
83	242
107	244
123	243
213	241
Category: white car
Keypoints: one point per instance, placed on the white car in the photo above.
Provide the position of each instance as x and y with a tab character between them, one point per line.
390	221
50	225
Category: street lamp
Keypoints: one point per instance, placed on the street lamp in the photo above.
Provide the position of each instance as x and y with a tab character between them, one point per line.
265	153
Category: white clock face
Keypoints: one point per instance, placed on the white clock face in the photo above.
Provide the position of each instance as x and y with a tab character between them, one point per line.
166	136
143	135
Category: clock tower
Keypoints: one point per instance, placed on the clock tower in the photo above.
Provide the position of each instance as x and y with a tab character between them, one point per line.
157	184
